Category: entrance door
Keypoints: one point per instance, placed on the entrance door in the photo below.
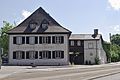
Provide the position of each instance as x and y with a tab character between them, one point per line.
77	59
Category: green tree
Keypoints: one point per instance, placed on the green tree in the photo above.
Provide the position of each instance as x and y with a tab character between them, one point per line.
4	39
115	53
115	39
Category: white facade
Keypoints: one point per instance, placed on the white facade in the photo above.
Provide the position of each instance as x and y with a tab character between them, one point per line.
93	49
39	47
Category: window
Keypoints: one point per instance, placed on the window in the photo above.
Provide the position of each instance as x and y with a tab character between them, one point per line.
32	40
18	55
78	43
58	54
45	55
58	39
44	39
90	45
31	55
19	40
71	43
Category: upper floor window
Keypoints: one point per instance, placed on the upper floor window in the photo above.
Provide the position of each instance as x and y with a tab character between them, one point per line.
45	55
44	39
32	40
78	43
58	54
19	40
18	55
90	45
58	39
72	43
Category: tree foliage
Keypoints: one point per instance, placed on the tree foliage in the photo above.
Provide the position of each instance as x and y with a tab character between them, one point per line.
115	48
4	39
115	39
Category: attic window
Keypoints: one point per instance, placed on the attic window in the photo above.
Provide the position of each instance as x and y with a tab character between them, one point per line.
33	25
44	24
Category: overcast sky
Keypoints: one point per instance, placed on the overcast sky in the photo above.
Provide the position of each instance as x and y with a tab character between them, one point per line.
79	16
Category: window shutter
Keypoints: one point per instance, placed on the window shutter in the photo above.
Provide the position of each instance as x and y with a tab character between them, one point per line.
14	40
40	55
49	39
40	40
36	55
49	55
14	55
27	55
23	40
62	39
62	54
36	40
27	40
53	54
53	39
23	55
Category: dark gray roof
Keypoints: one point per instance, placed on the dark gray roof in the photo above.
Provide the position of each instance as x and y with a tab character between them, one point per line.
83	37
38	17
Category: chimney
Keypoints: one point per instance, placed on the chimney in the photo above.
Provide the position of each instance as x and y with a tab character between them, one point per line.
96	32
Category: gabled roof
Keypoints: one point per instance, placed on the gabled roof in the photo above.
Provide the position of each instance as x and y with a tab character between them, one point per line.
84	37
38	17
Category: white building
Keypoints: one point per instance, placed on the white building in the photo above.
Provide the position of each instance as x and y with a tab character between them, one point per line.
39	40
84	48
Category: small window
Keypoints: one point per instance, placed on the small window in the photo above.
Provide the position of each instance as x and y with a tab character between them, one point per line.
45	55
71	43
78	43
45	39
58	39
31	55
31	40
27	40
90	45
18	55
58	54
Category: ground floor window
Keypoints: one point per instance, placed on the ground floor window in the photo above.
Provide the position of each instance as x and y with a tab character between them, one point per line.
45	55
31	54
58	54
18	55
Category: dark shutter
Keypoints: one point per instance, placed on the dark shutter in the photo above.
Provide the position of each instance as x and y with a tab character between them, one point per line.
40	55
27	55
23	55
49	54
27	40
62	39
14	40
49	39
40	40
53	54
36	54
23	40
36	40
62	54
14	55
53	39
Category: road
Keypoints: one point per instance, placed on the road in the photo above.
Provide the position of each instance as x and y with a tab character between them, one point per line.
111	77
93	73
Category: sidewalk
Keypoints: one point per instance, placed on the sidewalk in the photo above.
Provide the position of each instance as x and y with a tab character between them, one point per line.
9	70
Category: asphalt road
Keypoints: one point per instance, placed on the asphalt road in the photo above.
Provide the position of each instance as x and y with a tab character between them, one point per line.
93	73
111	77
